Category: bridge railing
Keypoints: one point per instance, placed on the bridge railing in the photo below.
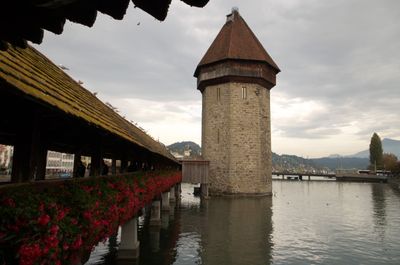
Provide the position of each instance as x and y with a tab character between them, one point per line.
56	222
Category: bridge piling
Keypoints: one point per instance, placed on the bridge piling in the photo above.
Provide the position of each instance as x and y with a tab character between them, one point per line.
172	195
165	201
155	213
204	190
129	247
164	220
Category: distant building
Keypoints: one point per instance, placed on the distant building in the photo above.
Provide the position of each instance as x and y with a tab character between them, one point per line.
177	155
6	154
59	164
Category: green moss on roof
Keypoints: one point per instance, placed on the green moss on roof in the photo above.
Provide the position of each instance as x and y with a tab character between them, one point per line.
29	71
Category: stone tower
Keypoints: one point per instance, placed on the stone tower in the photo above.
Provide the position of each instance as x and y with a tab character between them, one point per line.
235	77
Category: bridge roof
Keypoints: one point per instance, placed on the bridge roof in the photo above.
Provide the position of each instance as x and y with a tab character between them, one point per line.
236	41
22	20
30	72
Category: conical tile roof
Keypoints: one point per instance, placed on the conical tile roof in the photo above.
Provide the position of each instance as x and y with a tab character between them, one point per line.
236	41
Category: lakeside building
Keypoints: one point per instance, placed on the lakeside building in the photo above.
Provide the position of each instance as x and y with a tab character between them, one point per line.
6	154
59	164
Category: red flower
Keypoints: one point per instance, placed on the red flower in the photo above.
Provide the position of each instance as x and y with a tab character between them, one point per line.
87	215
77	243
29	254
44	219
62	213
54	229
9	202
65	246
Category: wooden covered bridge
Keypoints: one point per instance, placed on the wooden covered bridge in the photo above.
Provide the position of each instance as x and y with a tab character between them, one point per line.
42	108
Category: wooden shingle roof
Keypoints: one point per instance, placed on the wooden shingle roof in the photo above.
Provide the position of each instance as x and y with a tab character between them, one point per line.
22	20
30	72
236	41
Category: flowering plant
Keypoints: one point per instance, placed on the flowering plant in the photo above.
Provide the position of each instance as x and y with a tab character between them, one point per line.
54	223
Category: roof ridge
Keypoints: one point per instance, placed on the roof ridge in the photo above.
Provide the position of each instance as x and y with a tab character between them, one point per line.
230	34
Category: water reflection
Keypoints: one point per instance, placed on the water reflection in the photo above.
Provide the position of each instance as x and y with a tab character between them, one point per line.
240	232
379	207
302	223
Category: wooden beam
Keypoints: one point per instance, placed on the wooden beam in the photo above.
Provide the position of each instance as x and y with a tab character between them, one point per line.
114	167
158	10
116	8
83	12
77	158
124	165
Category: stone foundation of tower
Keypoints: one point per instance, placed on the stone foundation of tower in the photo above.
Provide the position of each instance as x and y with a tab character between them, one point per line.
236	138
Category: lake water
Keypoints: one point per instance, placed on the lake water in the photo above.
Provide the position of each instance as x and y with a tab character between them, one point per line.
304	222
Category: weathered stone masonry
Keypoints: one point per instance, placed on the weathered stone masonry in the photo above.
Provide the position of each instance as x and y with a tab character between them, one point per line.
236	131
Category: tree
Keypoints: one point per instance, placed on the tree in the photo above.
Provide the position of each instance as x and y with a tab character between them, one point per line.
375	152
390	162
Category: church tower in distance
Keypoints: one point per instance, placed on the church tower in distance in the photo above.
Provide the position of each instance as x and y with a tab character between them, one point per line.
235	77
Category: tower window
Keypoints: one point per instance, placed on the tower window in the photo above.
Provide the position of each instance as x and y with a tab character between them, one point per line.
218	94
218	136
244	92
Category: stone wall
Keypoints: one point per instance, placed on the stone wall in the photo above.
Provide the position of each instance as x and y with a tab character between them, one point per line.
236	138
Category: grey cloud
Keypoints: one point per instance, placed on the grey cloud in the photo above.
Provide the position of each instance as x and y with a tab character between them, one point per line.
343	54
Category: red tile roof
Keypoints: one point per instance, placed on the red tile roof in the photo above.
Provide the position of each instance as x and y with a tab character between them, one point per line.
236	41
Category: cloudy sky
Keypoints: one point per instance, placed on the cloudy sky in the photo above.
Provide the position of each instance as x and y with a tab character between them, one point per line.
340	63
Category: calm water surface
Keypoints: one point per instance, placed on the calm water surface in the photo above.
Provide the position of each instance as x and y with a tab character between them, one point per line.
304	222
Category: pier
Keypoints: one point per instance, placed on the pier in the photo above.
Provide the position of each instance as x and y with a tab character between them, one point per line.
351	177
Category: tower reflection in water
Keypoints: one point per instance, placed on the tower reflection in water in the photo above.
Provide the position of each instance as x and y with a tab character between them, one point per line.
221	230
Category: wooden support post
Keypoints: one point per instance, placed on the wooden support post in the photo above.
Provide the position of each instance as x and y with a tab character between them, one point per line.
21	157
95	164
114	167
41	162
29	159
124	165
77	158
